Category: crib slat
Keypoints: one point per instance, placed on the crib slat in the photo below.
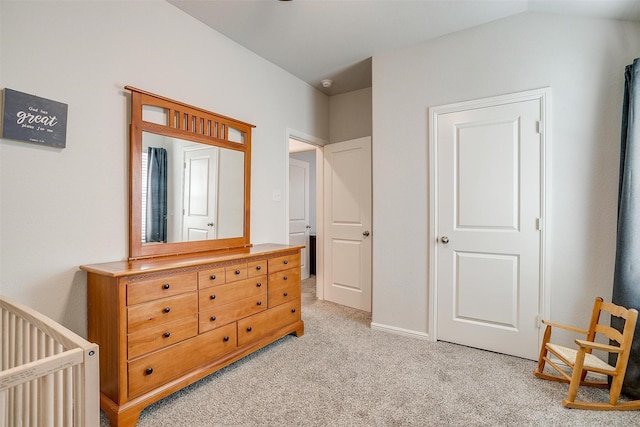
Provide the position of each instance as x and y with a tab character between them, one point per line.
33	385
26	357
4	339
67	397
11	360
18	397
45	401
79	413
4	410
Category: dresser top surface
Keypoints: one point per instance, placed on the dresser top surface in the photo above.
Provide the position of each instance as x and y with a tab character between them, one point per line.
150	265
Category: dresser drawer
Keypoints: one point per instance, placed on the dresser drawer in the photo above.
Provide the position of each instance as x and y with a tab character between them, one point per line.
236	272
160	287
285	292
155	369
263	324
163	335
224	294
153	313
257	268
283	277
284	262
211	277
211	319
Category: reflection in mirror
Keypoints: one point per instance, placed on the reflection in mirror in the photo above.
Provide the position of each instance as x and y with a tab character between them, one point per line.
190	191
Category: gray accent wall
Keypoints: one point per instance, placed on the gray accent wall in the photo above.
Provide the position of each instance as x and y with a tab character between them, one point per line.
350	115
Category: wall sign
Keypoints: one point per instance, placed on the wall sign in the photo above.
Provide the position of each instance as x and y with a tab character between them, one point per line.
34	119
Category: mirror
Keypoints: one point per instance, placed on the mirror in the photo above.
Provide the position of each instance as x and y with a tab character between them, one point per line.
189	179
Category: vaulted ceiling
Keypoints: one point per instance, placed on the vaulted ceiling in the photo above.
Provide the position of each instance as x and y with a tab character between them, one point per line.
335	39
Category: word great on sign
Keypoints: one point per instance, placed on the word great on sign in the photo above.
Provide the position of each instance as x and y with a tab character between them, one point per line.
29	117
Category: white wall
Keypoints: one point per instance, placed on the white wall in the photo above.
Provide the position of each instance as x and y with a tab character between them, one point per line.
64	208
583	61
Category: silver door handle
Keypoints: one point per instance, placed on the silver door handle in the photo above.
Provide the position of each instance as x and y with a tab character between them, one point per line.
365	233
444	239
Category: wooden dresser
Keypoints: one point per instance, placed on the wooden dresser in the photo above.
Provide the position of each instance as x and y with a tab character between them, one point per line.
165	323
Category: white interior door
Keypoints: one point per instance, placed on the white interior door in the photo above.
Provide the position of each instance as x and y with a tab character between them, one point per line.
488	226
299	211
347	216
200	195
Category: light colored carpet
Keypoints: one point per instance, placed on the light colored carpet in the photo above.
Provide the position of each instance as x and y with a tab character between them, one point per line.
342	373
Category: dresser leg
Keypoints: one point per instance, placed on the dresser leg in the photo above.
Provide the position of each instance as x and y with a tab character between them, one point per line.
119	417
299	331
124	419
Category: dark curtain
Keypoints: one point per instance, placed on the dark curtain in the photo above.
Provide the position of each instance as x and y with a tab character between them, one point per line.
626	281
156	195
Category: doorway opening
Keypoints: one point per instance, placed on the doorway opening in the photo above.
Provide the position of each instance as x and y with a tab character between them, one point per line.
304	205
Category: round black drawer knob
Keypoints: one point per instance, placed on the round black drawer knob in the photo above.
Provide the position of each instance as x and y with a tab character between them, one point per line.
166	334
166	286
285	278
148	371
258	284
237	272
226	338
249	329
259	268
213	297
167	309
213	318
259	302
213	277
286	294
286	261
293	310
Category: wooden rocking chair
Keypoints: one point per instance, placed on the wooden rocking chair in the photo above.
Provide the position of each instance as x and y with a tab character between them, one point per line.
580	360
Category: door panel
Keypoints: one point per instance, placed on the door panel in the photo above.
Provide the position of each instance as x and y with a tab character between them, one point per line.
346	254
478	274
487	170
347	265
489	205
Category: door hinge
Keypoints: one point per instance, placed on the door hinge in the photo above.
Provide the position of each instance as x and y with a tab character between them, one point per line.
539	127
538	321
539	224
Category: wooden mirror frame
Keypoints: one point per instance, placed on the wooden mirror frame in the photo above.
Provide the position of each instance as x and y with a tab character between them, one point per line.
188	123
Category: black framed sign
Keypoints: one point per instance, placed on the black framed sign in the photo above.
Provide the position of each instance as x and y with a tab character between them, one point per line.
34	119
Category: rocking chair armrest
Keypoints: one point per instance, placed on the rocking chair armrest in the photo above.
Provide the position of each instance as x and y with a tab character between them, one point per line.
566	327
598	346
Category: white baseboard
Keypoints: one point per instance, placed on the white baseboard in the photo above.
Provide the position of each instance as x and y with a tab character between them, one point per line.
400	331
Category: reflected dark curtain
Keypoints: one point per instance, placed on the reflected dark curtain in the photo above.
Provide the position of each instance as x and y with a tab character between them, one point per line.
626	281
156	195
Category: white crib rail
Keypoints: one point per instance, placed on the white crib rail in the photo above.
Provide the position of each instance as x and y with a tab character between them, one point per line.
49	376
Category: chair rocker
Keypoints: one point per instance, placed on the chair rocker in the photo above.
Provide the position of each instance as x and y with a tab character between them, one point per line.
581	360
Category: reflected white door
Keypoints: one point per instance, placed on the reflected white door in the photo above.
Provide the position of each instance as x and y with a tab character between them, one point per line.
200	195
347	218
488	213
299	211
